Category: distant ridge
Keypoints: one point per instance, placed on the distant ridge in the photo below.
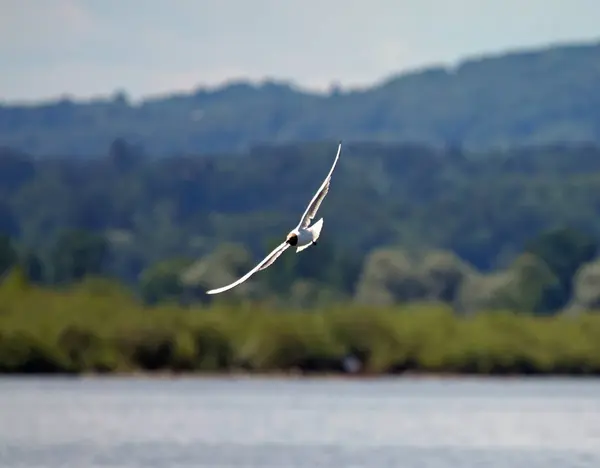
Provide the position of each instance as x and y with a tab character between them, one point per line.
528	96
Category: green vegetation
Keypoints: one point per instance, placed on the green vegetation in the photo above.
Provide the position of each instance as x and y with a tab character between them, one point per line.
530	97
474	251
410	311
510	230
97	327
468	262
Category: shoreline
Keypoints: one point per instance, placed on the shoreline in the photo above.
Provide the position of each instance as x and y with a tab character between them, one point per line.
294	376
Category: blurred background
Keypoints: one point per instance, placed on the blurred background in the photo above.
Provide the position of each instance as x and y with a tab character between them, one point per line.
152	151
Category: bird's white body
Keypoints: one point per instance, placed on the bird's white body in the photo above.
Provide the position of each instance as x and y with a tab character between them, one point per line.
302	236
307	236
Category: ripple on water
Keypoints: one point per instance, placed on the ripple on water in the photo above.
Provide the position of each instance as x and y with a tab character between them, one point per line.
270	423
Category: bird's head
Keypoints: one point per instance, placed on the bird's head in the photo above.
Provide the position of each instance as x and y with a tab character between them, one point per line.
292	238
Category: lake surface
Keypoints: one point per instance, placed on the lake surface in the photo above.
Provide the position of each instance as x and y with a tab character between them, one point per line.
131	423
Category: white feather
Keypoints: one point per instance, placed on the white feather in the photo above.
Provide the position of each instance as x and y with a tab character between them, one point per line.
306	234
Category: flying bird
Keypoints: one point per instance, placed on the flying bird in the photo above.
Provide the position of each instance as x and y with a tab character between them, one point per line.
302	236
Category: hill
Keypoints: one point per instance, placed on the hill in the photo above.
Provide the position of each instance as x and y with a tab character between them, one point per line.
401	221
528	97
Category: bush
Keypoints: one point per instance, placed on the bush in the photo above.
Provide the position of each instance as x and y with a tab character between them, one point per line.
99	328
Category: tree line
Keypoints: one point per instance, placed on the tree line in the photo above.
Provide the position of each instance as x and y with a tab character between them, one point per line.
431	260
522	98
514	228
96	326
556	273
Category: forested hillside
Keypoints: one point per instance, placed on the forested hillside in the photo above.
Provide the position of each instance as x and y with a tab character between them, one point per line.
461	228
533	97
402	223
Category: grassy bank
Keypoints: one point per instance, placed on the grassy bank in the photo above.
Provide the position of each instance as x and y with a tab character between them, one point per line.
98	328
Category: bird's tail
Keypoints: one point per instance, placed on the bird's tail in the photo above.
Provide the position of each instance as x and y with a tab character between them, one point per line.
316	229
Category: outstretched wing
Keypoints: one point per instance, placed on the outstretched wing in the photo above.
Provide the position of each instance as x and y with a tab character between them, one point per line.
315	203
268	260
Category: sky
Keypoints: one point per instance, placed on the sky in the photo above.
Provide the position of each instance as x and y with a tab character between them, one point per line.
91	48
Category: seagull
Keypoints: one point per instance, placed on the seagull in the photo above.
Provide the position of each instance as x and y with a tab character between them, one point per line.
302	236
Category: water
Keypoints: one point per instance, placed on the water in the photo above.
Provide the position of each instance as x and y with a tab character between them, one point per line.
131	423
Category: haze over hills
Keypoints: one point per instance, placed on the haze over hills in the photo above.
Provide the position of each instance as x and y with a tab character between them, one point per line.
519	98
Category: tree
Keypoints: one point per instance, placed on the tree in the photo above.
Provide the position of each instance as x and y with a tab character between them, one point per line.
8	256
33	267
76	254
564	250
162	281
8	221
